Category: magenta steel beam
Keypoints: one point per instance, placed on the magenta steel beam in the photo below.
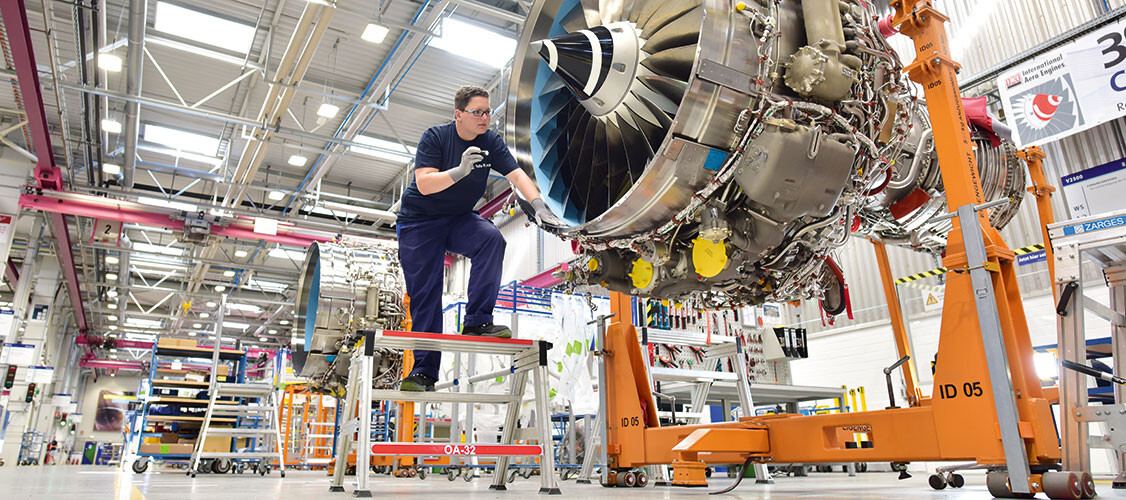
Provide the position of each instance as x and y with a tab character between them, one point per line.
545	279
494	205
11	273
102	208
112	364
47	173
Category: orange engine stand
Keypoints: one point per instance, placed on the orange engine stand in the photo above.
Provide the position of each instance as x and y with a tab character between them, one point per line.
958	423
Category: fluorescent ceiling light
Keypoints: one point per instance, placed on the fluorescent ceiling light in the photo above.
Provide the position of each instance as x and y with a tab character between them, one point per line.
111	318
112	356
245	307
111	305
211	304
111	126
160	202
284	321
263	339
236	325
111	259
111	169
191	334
382	149
268	286
272	331
275	195
197	325
111	293
374	33
140	337
204	28
109	62
475	42
161	249
328	110
240	253
143	323
111	276
181	140
112	327
204	315
220	288
298	160
228	273
282	253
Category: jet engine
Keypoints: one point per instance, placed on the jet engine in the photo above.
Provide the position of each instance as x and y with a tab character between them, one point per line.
346	287
724	149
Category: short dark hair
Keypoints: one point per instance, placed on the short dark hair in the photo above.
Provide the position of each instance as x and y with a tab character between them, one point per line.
467	92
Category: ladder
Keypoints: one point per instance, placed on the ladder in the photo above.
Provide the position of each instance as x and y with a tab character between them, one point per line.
355	427
256	420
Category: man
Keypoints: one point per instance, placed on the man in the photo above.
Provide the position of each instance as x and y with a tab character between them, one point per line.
451	171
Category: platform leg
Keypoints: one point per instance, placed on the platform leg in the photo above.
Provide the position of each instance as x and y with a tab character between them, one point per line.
344	440
363	449
548	483
518	381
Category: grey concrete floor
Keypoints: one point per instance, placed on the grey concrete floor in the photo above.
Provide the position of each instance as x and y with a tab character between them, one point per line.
88	482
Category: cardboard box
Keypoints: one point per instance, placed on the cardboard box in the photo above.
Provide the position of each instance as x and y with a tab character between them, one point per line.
167	342
167	448
169	437
185	342
217	443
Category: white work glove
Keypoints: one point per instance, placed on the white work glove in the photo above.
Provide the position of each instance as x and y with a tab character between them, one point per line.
544	215
469	161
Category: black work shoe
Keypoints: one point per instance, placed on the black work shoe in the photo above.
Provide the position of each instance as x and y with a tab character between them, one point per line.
417	383
488	330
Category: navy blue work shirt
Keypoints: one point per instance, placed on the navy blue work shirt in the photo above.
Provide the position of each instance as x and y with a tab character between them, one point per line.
441	148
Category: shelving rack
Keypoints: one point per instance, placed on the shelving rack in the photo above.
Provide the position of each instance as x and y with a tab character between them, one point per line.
172	361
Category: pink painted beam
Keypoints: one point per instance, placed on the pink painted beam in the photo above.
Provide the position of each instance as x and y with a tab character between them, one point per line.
108	209
111	364
545	279
122	343
47	173
493	206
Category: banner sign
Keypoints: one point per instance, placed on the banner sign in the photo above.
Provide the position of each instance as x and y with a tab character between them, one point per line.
1071	89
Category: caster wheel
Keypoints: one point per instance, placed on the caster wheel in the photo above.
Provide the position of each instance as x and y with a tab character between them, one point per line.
526	473
642	479
467	475
627	479
422	473
511	476
937	481
998	484
708	472
140	465
452	474
221	466
282	473
862	467
351	470
956	480
1062	485
1088	484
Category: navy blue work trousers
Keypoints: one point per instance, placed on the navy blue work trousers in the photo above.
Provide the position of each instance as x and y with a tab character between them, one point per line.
422	251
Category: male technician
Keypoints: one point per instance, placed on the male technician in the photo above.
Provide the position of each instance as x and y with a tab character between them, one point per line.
451	171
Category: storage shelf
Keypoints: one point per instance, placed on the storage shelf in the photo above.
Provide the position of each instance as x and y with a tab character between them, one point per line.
170	400
183	418
200	352
180	384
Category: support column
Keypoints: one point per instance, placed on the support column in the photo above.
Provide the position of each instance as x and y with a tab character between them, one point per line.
898	325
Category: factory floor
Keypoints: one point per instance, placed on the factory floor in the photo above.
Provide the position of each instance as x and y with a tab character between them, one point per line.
89	482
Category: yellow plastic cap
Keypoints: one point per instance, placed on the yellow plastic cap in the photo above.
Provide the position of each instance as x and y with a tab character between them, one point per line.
708	258
641	273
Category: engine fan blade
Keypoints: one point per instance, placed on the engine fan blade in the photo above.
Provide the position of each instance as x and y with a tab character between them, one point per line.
598	200
619	178
667	11
590	12
652	132
684	30
675	62
671	88
642	13
557	102
583	179
574	20
636	146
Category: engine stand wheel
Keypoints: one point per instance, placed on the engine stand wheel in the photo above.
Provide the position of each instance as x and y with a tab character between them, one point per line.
467	474
1088	484
998	484
1062	485
422	472
937	481
140	465
642	479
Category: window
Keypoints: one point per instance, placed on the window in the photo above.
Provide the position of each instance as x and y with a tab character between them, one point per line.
475	42
382	149
181	140
204	28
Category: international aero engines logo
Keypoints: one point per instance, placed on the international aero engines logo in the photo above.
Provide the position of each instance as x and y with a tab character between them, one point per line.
1046	110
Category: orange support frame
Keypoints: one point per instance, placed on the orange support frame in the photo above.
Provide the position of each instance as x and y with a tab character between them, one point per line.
958	423
898	324
1034	158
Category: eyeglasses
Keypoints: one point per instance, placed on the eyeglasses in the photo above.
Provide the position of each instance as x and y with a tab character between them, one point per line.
478	112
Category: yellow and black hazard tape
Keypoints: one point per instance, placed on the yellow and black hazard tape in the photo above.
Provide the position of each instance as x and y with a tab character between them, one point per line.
942	270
